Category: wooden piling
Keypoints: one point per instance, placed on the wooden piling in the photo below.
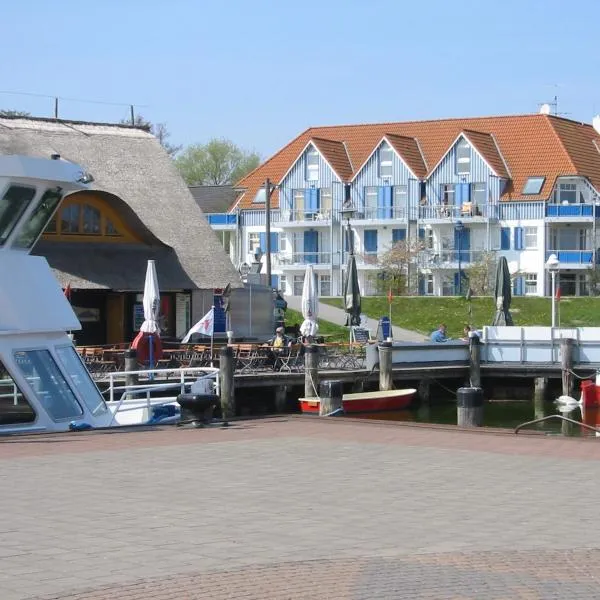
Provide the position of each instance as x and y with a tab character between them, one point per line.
424	391
281	398
475	361
386	381
330	395
567	349
131	364
469	403
540	388
311	371
226	383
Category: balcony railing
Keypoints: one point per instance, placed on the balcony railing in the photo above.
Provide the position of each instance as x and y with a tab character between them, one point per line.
518	211
372	213
287	259
304	214
577	257
450	258
467	210
572	210
221	218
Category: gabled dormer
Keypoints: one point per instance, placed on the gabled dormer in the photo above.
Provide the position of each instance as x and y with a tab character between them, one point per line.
470	175
387	183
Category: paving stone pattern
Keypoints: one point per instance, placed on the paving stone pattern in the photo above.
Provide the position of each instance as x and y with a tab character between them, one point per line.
296	509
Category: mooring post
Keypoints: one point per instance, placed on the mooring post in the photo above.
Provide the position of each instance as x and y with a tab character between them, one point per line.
386	382
131	364
311	371
567	348
540	387
469	407
424	391
475	360
330	393
226	383
281	398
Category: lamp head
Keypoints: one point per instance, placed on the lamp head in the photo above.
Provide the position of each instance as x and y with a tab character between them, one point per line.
553	264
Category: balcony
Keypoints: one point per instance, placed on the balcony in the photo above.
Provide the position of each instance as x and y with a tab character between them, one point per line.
286	260
221	220
448	259
305	218
572	212
467	212
573	259
381	213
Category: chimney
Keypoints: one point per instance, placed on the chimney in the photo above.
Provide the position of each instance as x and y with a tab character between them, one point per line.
596	123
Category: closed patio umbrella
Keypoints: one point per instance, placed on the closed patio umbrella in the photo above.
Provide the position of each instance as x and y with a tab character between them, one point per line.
352	294
310	304
502	294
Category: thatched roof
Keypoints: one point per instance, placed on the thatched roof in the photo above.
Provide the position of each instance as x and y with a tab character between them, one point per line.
142	181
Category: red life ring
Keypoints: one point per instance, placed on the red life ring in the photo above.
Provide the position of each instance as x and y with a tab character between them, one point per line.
141	344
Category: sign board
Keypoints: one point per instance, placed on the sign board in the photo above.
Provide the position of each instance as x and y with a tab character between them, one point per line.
360	335
138	316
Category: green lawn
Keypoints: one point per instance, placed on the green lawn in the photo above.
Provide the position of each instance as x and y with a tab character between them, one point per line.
424	314
337	333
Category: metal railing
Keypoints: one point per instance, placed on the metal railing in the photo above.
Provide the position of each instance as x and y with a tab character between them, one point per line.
578	257
372	213
450	258
467	210
283	259
221	218
313	215
559	417
572	210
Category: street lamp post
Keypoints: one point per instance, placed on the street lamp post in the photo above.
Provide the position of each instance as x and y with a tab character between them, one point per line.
347	213
459	231
553	265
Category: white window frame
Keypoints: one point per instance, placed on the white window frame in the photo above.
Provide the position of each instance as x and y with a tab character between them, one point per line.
325	201
371	192
312	165
298	284
463	157
479	193
283	284
566	188
386	169
253	241
530	238
324	279
531	284
400	200
447	194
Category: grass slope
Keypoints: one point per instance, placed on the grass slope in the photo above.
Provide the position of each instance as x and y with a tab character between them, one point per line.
424	314
337	332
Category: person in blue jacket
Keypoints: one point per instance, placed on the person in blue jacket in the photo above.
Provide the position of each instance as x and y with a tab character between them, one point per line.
439	335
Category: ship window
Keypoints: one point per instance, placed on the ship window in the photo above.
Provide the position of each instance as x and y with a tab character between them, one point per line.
91	220
110	227
48	384
69	222
81	380
38	219
13	205
14	408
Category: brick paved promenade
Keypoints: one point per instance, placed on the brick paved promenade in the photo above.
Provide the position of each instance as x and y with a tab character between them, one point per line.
298	508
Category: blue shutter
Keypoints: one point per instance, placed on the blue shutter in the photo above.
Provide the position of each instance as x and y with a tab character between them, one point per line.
262	241
274	242
398	235
505	238
518	238
456	284
421	286
370	238
421	233
388	201
466	192
275	281
311	247
520	286
311	201
381	202
458	192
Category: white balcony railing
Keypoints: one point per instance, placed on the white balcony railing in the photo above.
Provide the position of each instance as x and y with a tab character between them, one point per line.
468	210
302	215
289	259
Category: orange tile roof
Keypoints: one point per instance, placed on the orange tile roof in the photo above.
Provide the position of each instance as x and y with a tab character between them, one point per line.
522	146
336	155
408	148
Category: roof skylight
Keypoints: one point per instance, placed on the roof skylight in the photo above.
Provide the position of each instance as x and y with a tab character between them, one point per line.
533	185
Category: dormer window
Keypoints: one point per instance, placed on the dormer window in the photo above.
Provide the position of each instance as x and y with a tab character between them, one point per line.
385	160
463	157
312	165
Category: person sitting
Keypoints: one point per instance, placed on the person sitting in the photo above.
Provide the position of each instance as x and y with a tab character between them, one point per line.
279	345
439	335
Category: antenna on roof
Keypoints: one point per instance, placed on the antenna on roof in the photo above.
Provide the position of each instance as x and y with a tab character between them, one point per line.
551	108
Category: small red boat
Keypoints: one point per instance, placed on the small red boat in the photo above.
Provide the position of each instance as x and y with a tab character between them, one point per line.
366	402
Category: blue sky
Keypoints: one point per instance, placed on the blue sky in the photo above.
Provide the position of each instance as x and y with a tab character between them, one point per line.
259	72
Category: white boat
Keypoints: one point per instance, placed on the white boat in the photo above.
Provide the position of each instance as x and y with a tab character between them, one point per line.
44	384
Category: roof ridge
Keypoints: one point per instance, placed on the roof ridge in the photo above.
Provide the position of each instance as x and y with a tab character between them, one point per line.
73	122
350	159
560	141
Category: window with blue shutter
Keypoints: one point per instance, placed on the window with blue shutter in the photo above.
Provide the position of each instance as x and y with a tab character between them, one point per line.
519	286
421	233
462	193
421	286
384	202
457	284
505	238
370	239
519	238
398	235
275	281
311	202
311	247
262	241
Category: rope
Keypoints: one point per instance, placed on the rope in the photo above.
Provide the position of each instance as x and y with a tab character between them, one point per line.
590	377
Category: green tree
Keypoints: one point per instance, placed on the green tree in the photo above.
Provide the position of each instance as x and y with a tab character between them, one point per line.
218	162
158	130
480	274
399	267
13	113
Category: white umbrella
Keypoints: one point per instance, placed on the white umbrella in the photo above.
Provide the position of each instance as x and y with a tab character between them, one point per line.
151	301
310	304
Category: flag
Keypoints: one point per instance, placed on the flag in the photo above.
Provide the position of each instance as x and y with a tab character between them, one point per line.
389	296
225	297
205	325
68	292
558	293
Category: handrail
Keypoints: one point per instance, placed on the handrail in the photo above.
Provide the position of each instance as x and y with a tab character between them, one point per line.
561	417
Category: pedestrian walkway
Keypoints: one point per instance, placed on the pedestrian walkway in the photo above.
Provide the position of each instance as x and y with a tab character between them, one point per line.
298	508
338	317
